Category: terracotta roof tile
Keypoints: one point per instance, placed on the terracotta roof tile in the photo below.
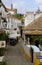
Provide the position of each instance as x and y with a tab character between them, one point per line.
8	9
35	25
33	32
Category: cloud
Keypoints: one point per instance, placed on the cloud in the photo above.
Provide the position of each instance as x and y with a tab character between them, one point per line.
38	1
19	4
14	5
22	2
40	7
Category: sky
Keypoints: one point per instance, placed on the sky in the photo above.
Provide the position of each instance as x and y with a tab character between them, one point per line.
24	5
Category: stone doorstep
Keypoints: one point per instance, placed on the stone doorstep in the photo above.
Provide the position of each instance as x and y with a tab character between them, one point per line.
1	58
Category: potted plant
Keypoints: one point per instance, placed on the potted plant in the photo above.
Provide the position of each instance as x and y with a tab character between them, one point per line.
2	44
3	63
37	40
2	52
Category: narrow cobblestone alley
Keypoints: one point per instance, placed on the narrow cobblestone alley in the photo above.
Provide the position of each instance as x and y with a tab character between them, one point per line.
14	55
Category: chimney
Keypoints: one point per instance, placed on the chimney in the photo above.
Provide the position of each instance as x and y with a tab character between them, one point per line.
11	6
15	11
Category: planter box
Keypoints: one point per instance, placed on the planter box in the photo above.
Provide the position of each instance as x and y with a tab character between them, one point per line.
1	58
2	44
2	52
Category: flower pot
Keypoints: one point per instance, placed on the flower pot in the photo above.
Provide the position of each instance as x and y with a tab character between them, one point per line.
2	51
2	44
1	58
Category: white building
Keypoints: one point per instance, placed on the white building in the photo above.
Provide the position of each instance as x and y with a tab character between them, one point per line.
3	12
7	20
12	10
13	23
30	16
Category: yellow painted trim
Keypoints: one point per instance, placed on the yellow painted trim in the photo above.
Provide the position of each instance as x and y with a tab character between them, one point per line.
26	55
36	61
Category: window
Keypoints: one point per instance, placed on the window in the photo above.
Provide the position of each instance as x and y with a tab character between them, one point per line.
4	25
12	26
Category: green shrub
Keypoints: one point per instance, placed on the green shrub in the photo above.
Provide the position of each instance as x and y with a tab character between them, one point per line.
3	63
37	37
3	36
2	51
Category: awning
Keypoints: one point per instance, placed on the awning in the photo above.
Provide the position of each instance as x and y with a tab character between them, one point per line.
36	32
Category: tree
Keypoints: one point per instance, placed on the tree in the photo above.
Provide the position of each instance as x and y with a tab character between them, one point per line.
18	16
37	37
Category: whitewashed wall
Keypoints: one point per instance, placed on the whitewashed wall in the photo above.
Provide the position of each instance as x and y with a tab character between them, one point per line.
13	23
8	23
4	13
27	50
18	22
30	17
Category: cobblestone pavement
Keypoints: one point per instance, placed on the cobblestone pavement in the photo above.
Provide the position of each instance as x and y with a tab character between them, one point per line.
14	55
